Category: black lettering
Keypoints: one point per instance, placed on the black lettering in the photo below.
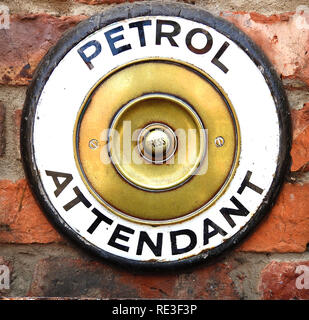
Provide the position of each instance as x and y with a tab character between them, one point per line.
207	46
155	248
216	230
79	198
218	55
246	183
168	35
140	27
100	217
112	40
240	211
59	186
93	43
189	247
117	235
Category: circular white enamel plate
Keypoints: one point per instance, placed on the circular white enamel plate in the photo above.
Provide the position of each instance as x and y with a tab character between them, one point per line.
108	41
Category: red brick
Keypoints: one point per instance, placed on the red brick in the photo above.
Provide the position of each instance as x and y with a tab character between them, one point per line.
2	129
21	220
27	41
284	43
79	278
283	281
300	146
211	282
300	120
286	227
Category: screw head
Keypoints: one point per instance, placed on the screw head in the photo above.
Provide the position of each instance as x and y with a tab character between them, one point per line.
93	144
219	141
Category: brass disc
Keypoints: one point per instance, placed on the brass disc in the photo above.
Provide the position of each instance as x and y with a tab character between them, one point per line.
156	93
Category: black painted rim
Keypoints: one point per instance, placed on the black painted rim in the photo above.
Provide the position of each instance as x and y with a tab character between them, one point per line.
125	11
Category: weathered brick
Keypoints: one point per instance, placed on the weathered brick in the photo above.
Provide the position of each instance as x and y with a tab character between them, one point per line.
281	37
300	119
80	278
21	220
211	282
285	281
286	227
2	129
29	38
300	149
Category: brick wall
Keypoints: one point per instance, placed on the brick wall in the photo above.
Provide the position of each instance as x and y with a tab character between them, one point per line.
43	263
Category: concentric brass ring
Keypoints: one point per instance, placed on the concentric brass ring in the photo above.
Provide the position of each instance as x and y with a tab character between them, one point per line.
154	94
127	154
